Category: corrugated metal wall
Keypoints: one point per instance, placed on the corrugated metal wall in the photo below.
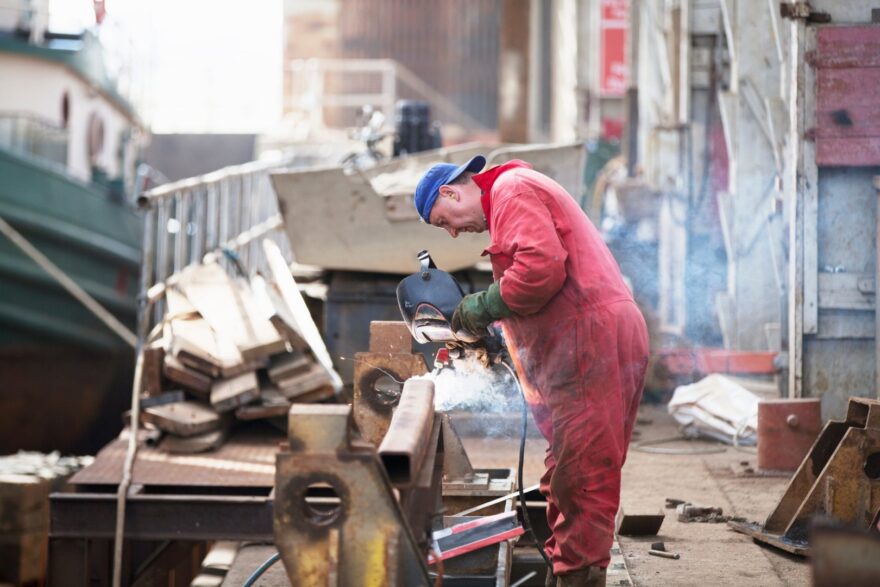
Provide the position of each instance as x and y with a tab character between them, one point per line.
451	45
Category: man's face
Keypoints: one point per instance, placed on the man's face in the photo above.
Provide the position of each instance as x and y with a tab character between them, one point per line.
458	209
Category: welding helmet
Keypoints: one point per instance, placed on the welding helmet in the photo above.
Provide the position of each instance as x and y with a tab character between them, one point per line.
427	300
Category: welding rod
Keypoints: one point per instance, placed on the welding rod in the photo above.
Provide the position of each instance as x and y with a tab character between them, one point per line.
496	500
664	554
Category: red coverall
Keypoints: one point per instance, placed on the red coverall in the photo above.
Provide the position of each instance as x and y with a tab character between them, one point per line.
579	345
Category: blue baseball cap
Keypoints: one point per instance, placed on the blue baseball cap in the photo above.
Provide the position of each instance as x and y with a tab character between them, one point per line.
439	175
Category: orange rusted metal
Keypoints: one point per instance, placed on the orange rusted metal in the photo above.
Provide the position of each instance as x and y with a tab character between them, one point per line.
787	428
403	448
838	479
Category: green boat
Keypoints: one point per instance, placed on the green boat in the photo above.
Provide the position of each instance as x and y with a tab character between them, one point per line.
68	148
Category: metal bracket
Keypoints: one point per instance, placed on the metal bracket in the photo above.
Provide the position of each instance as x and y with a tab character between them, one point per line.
839	478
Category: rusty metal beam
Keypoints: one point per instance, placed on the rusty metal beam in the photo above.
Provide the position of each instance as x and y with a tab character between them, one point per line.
403	448
162	517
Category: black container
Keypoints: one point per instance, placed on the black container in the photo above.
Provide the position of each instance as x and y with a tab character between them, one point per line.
414	130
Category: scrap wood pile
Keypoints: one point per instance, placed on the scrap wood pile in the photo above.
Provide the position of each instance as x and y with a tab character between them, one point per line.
227	349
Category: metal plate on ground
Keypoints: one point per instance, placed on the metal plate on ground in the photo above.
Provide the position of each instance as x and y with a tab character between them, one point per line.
756	531
245	460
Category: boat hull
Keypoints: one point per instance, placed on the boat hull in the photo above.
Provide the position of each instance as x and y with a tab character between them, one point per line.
65	375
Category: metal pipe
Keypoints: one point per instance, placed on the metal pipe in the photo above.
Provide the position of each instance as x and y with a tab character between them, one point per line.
403	448
181	213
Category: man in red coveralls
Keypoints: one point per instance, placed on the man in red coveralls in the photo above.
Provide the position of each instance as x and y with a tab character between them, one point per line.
577	339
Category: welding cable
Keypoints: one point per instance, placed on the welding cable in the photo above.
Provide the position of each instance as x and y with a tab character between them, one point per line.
522	450
261	569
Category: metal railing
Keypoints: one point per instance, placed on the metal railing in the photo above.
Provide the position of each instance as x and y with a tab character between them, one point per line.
222	216
31	135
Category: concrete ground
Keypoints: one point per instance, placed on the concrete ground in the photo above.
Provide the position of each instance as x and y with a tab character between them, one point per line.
711	554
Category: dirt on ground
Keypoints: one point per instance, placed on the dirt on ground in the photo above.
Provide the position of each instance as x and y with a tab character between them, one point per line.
711	553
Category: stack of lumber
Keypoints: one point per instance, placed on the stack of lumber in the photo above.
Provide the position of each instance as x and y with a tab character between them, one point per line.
228	349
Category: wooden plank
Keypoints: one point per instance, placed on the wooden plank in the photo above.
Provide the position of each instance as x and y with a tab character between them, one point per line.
183	418
293	301
288	365
195	344
192	380
317	395
154	356
228	394
272	404
194	444
278	314
230	309
294	387
192	340
178	304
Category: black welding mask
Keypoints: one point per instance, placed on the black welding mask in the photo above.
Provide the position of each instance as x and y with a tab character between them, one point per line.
427	300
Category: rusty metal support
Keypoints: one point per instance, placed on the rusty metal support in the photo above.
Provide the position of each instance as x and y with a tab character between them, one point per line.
379	376
357	534
403	448
839	479
378	383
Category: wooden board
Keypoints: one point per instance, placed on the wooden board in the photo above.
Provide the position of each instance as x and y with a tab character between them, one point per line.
294	387
230	309
192	380
154	356
183	418
194	444
228	394
288	365
299	312
276	310
316	395
270	405
195	344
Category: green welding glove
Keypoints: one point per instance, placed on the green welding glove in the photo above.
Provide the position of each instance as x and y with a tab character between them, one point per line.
477	311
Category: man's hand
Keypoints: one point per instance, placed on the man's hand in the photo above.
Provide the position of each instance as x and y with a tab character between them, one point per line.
477	311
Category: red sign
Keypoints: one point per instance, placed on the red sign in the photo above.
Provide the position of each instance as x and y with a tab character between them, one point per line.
613	27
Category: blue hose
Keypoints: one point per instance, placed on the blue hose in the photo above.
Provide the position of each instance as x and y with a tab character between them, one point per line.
261	569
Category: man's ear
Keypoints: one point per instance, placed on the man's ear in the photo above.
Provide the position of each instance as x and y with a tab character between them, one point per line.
448	192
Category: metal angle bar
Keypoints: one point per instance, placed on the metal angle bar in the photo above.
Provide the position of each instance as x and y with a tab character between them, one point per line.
159	517
404	446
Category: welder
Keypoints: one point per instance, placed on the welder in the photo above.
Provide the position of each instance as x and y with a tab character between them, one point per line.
577	340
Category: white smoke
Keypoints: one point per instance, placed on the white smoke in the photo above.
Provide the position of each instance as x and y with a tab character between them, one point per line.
467	387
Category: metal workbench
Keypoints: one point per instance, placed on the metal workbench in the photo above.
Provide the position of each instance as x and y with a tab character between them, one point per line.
176	504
